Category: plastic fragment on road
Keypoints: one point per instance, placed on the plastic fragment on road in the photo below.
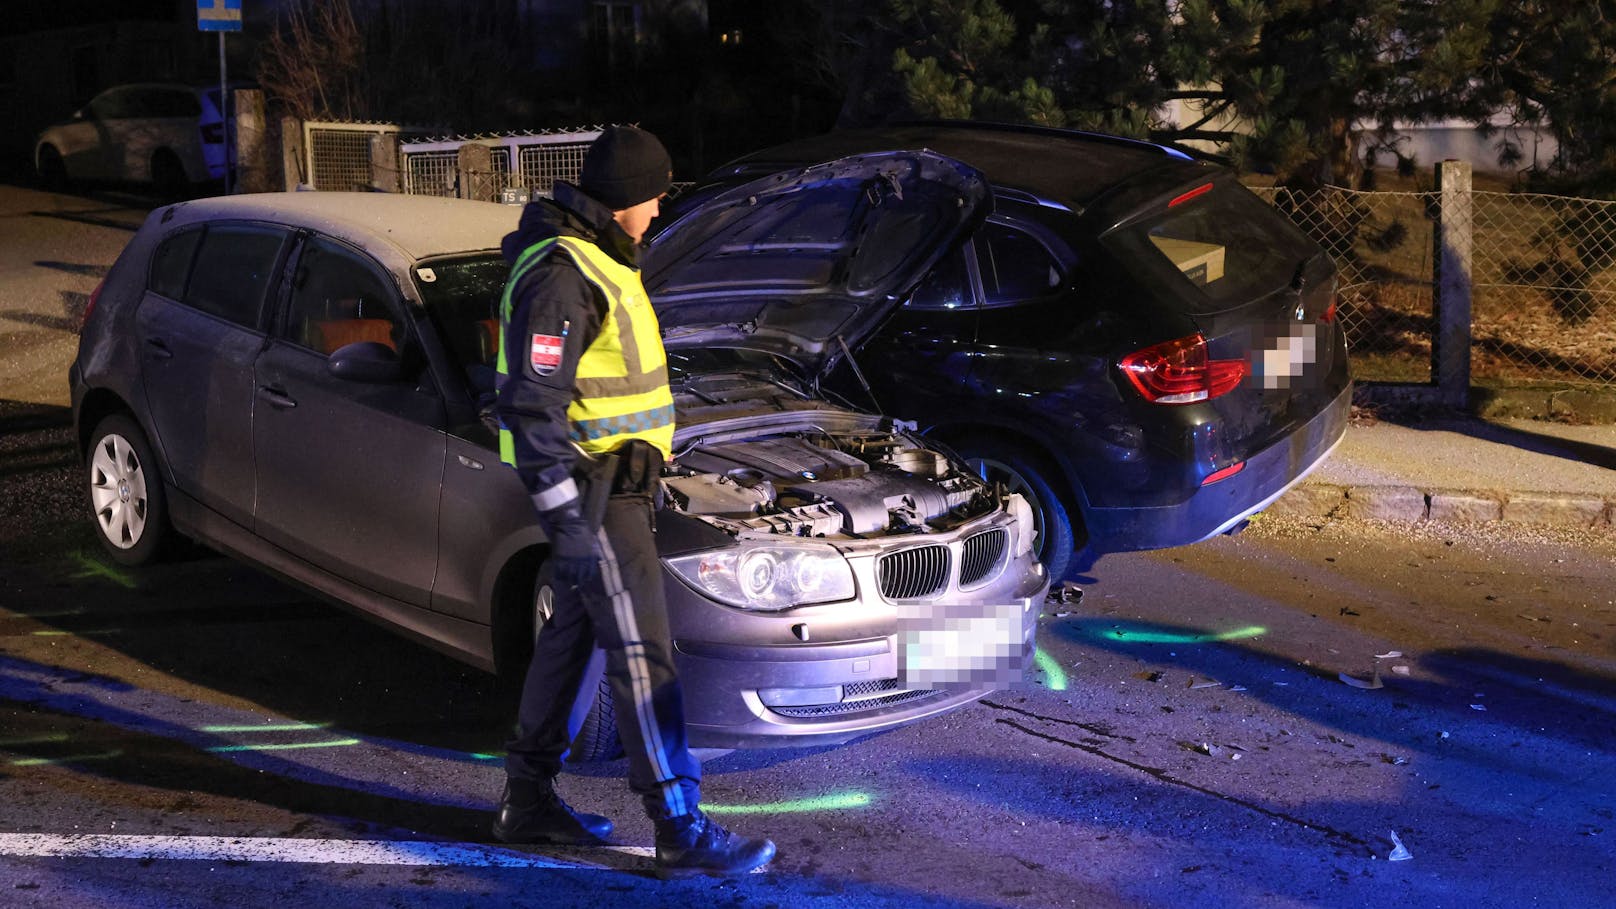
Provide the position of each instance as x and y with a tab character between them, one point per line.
1207	683
1481	707
1400	669
1368	684
1068	593
1399	852
1389	655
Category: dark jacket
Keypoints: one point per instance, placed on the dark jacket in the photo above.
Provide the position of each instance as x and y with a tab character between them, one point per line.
553	300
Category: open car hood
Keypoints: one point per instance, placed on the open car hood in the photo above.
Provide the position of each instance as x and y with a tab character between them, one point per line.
792	262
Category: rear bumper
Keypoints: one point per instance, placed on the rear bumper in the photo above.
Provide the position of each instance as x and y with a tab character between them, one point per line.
1214	509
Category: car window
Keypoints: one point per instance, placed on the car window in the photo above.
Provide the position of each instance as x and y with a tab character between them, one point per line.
1219	243
168	103
110	105
1014	265
946	286
171	264
462	298
233	271
339	298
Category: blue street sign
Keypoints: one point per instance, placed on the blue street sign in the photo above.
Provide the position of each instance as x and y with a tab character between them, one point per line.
218	15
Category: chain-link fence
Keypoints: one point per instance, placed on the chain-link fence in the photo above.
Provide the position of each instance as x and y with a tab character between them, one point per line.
1542	281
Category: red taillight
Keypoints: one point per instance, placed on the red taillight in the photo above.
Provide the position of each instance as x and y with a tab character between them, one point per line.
1223	474
89	306
213	133
1181	372
1329	311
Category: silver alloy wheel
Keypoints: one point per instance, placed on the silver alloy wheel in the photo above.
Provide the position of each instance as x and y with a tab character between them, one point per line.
991	470
118	491
543	608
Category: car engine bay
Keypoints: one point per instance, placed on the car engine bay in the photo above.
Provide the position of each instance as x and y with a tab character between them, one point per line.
852	484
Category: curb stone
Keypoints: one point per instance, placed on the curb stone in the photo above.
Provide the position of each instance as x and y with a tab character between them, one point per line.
1408	504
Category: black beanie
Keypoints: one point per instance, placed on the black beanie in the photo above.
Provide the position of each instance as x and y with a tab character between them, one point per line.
625	166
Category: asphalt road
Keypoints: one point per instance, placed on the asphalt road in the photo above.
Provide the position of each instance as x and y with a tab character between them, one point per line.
1187	740
1202	729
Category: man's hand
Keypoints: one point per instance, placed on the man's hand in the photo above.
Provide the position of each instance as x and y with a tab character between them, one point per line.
574	554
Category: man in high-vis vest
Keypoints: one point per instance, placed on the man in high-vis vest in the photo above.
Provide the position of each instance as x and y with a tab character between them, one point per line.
585	411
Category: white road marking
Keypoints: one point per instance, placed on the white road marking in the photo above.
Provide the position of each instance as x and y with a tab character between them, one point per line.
287	849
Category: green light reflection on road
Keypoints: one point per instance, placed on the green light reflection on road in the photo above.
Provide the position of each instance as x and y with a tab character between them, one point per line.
1051	670
98	569
1161	637
335	743
277	727
70	759
835	802
34	740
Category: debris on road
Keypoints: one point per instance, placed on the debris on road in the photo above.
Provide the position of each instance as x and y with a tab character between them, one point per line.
1399	852
1368	684
1068	593
1207	683
1481	707
1389	655
1400	669
1229	752
1148	676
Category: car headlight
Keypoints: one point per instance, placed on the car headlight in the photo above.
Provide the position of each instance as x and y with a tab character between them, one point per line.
768	576
1026	530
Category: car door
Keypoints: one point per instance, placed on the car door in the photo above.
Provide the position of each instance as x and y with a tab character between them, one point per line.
918	363
349	472
87	141
201	327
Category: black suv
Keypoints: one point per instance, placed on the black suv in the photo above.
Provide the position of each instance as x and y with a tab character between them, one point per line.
1132	340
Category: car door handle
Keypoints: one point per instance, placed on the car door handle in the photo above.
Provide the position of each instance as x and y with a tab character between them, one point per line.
276	396
158	348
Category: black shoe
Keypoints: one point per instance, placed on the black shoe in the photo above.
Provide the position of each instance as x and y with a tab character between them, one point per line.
696	844
533	813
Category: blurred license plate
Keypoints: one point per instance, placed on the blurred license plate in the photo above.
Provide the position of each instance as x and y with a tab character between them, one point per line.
953	646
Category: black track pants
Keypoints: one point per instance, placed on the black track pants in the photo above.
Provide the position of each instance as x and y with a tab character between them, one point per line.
625	613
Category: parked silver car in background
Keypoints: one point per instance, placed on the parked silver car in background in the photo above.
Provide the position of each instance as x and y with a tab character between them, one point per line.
301	380
168	135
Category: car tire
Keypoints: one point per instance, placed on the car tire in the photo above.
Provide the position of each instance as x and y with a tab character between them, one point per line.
124	488
592	714
52	169
1025	472
168	175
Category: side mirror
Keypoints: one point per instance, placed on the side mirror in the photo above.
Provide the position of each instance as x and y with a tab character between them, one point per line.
366	361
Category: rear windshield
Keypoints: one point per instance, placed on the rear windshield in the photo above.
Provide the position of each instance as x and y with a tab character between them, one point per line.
1224	246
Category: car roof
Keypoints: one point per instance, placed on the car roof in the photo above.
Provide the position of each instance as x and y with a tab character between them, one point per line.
416	226
1063	166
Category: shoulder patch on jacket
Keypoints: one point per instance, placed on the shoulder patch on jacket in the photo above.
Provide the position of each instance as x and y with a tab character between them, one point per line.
545	355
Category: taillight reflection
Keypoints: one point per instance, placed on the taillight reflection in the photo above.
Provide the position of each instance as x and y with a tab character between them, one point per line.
1182	372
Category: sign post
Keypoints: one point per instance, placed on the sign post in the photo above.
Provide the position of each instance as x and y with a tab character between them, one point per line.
221	16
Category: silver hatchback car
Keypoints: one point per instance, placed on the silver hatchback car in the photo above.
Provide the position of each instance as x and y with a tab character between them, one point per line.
168	135
302	381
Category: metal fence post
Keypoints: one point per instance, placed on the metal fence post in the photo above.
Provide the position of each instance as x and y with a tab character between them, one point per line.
1450	346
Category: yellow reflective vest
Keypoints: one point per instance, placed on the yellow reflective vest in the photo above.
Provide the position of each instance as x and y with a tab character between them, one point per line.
621	385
